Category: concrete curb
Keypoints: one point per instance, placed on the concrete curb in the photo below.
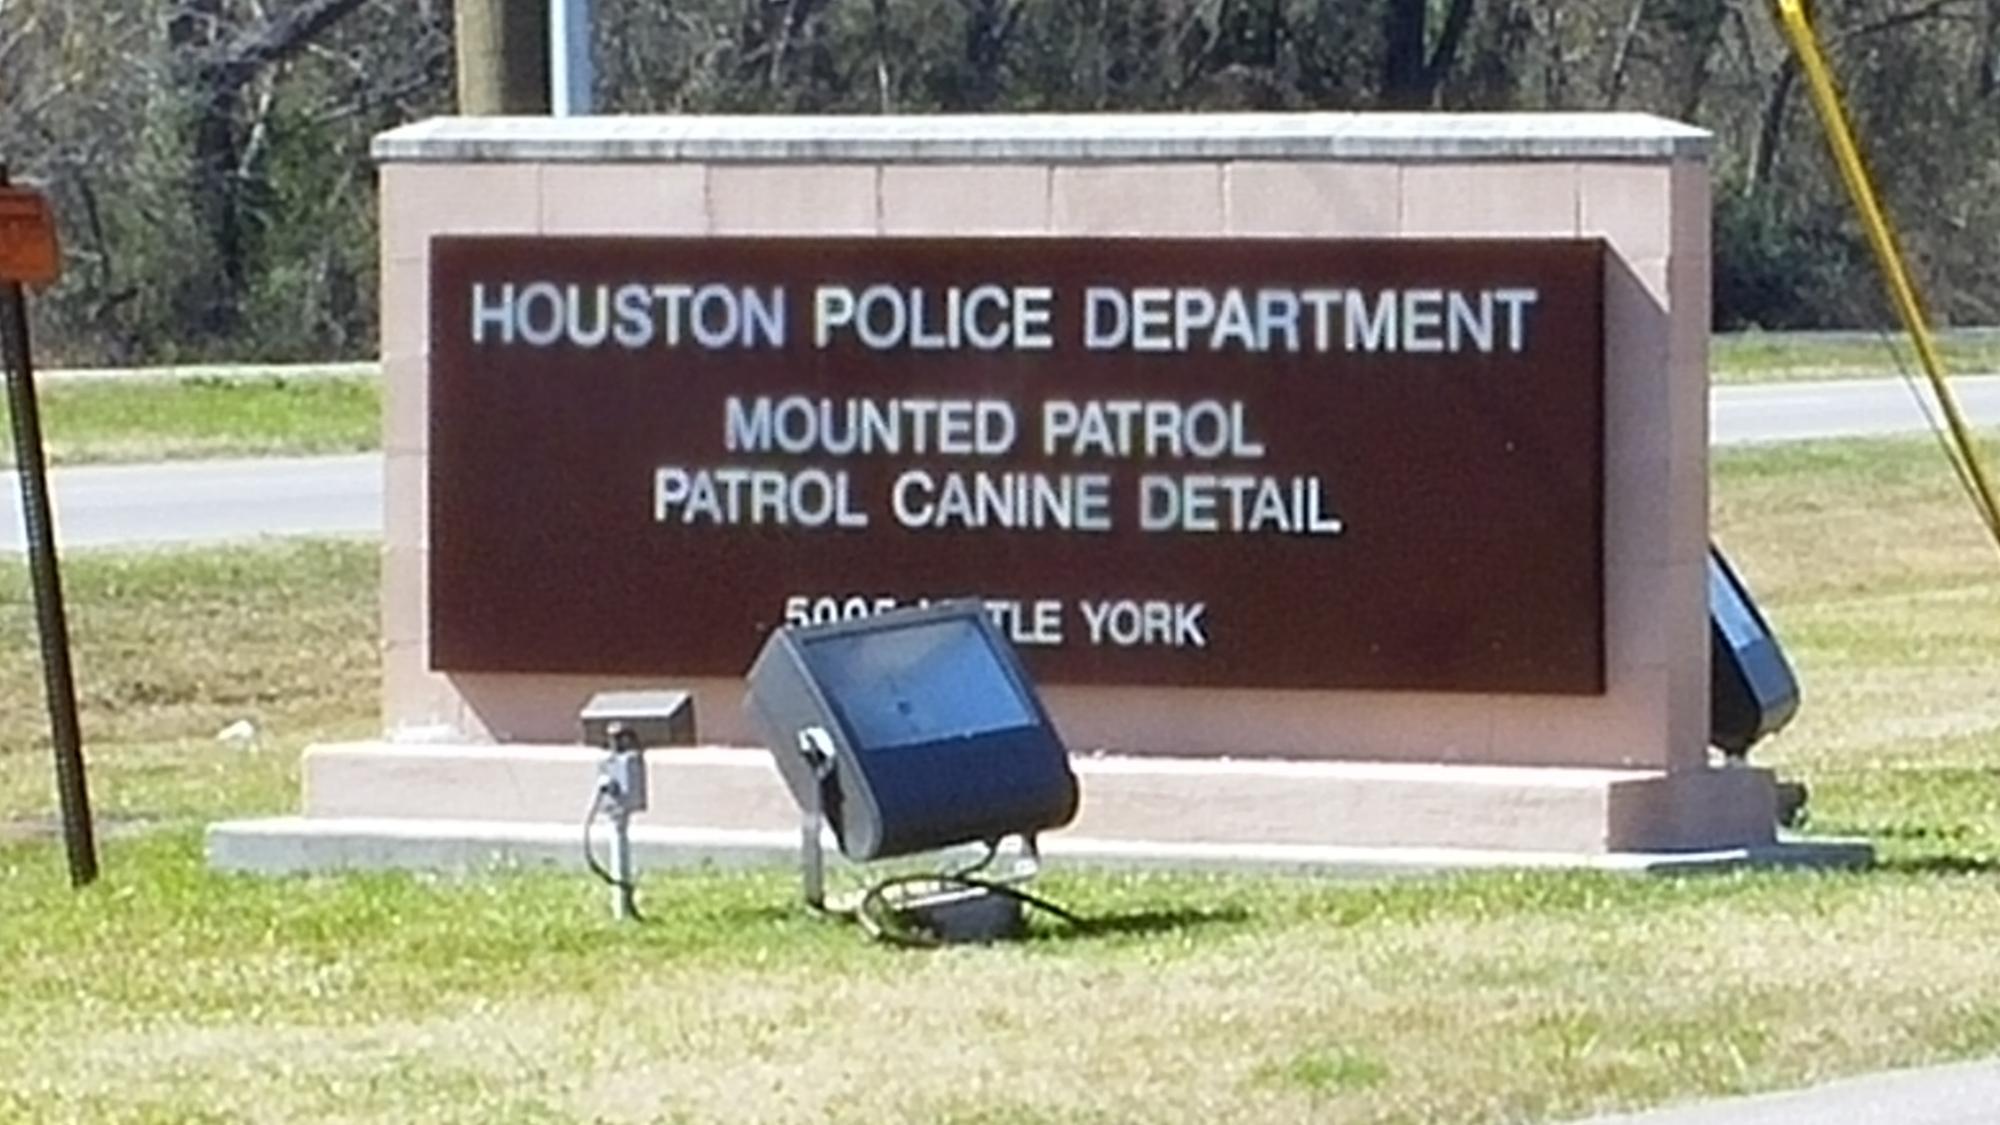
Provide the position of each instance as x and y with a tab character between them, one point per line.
305	845
1958	1094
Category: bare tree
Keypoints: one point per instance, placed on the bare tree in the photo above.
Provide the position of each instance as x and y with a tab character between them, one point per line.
1986	64
210	157
1412	67
217	60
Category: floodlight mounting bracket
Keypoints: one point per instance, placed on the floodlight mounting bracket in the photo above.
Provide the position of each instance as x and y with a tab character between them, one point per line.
960	908
816	746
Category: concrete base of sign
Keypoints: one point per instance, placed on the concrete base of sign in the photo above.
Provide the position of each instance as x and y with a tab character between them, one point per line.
1161	807
307	845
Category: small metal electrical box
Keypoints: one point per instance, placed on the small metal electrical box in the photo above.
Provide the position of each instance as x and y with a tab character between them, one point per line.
913	730
655	718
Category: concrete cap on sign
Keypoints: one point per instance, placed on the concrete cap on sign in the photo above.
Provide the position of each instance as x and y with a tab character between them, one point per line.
1081	137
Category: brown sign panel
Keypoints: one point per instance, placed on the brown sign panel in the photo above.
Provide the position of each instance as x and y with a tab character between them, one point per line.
28	253
1245	463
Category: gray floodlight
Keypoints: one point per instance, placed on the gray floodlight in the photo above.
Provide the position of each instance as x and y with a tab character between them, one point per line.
913	730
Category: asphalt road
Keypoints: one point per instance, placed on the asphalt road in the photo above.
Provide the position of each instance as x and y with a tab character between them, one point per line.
1796	411
206	501
221	501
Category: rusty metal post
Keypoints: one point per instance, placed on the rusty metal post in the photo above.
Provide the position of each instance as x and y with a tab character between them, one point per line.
30	466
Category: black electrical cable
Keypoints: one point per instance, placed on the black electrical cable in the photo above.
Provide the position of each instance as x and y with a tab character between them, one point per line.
590	855
589	852
884	909
1953	455
882	901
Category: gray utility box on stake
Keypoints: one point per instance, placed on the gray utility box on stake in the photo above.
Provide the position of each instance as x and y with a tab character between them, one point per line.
655	718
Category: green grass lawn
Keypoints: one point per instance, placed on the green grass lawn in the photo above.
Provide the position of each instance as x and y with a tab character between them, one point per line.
221	413
1779	357
168	993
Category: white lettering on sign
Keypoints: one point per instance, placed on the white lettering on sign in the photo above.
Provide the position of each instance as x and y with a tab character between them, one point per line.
1237	503
1156	454
1039	622
987	316
1127	623
1205	431
1015	501
886	317
733	495
797	424
634	315
928	498
1421	320
802	609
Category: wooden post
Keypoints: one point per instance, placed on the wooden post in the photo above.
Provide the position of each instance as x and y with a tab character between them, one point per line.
503	56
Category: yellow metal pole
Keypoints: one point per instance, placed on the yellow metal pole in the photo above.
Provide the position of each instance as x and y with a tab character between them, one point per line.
1882	239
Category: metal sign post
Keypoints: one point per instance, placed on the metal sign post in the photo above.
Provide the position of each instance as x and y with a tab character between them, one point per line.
28	254
571	73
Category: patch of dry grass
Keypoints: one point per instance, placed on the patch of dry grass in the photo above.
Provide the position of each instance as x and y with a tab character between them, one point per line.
172	646
1873	567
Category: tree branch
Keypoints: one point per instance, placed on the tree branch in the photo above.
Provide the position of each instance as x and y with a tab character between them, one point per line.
884	103
1614	84
1933	10
12	41
278	39
787	27
1988	63
1446	51
1771	125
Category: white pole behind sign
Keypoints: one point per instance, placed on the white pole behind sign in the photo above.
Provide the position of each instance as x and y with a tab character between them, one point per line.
570	71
